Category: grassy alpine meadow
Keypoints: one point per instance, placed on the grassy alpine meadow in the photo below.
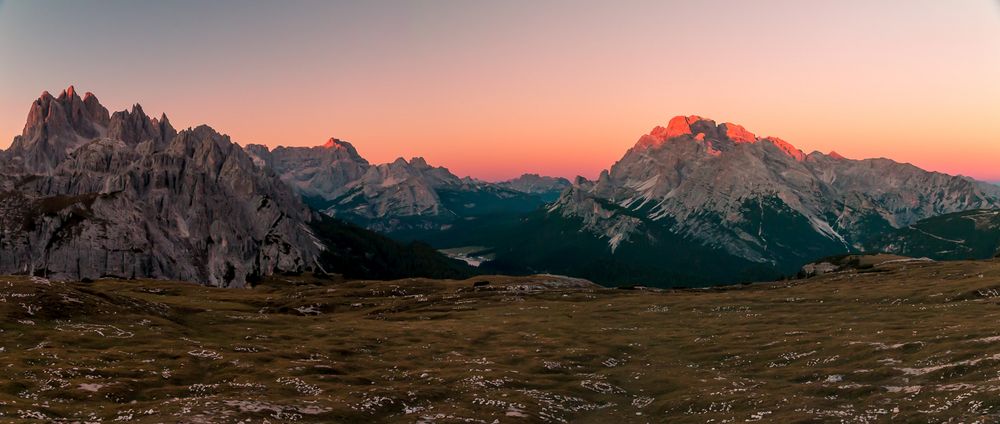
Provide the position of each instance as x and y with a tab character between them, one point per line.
900	340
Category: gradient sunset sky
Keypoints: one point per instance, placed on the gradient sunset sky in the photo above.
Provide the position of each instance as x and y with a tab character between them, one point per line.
493	89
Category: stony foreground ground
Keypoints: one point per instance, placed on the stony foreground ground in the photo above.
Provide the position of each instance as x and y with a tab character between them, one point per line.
904	341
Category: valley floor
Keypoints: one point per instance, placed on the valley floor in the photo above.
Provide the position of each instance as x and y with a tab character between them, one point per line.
909	341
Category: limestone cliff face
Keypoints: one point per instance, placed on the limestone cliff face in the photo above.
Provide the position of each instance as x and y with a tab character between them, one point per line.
85	195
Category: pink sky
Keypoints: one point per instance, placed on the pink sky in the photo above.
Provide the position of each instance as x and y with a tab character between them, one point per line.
496	89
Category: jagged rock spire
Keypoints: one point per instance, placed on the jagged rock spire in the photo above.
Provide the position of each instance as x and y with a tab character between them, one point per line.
134	127
54	127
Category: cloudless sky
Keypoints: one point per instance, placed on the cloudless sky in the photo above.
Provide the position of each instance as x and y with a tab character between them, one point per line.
493	89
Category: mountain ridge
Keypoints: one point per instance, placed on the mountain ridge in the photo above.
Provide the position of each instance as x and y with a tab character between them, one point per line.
747	174
89	195
719	187
693	190
402	197
754	203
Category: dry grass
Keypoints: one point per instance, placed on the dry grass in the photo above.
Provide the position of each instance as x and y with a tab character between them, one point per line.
904	341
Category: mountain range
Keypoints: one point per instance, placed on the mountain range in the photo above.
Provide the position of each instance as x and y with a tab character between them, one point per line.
757	198
691	203
406	199
88	194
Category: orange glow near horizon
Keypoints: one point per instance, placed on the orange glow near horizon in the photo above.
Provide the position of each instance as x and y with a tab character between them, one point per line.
494	90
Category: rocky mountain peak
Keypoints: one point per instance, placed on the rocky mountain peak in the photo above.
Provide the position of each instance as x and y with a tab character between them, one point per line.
680	126
335	143
64	114
134	127
56	126
141	200
416	165
700	129
419	162
757	197
833	154
322	171
129	197
538	184
715	139
737	133
334	149
95	109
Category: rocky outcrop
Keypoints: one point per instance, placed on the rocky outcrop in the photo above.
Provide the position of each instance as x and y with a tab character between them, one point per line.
127	196
737	133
